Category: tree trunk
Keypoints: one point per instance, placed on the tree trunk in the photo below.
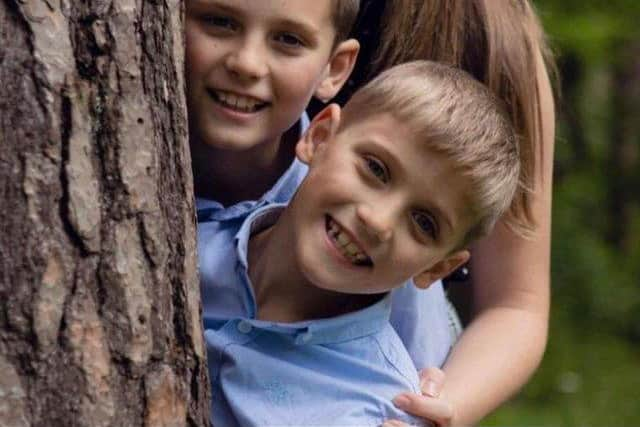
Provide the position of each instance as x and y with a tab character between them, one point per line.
99	297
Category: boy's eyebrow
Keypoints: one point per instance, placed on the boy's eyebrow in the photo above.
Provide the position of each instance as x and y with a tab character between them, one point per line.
227	8
432	207
309	28
299	26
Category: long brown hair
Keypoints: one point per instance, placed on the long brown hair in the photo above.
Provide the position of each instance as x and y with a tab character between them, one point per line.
494	40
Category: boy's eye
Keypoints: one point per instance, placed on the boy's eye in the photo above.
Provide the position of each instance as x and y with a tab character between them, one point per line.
425	223
221	22
377	168
289	40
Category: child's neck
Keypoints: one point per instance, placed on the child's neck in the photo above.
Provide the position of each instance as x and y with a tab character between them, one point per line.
282	293
230	176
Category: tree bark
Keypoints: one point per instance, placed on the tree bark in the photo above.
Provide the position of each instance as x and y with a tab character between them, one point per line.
99	298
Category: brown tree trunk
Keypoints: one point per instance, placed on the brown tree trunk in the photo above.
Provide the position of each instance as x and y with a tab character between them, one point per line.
99	299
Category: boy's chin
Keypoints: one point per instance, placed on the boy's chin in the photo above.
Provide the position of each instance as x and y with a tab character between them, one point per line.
216	140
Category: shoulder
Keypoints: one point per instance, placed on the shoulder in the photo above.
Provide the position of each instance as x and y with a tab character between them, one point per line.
383	357
421	319
283	381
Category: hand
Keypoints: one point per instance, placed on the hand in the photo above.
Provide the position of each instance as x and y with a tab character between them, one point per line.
430	405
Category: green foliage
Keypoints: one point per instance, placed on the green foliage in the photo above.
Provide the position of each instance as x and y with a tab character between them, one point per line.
586	379
590	28
590	277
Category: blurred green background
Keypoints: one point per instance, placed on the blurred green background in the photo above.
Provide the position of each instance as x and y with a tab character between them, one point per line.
590	375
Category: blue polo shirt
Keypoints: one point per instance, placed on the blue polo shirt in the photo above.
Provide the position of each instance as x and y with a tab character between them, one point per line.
340	371
419	316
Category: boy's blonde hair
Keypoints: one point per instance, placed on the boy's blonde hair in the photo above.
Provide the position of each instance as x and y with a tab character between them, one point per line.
456	116
498	42
343	16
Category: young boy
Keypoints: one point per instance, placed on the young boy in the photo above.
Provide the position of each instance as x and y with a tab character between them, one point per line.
420	162
251	68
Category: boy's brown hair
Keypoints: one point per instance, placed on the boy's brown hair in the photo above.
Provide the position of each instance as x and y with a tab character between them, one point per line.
343	15
457	116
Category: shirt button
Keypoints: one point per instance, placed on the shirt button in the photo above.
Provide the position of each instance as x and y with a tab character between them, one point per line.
244	327
306	337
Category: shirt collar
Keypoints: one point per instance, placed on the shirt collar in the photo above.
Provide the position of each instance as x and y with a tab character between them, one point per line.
341	328
257	221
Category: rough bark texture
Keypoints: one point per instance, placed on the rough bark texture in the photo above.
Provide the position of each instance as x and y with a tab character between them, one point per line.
99	299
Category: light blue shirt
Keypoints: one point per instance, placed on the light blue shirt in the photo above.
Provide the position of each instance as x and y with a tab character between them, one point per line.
340	371
419	316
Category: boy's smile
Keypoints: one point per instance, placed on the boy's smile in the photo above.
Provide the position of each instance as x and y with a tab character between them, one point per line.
347	247
237	102
252	67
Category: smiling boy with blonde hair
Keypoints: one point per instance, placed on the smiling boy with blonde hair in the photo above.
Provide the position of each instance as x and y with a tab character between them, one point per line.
420	162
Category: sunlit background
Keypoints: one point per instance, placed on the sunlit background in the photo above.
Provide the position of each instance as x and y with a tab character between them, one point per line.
590	375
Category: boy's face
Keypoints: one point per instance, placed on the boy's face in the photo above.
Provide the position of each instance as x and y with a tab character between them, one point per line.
253	65
377	208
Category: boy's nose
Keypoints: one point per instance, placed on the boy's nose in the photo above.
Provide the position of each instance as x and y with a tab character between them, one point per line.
247	61
379	223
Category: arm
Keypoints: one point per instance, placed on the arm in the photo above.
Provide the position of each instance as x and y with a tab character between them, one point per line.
505	340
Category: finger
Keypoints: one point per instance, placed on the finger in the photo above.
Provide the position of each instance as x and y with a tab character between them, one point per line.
434	409
394	423
431	381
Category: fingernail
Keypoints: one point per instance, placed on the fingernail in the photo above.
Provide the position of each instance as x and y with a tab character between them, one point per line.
401	401
432	389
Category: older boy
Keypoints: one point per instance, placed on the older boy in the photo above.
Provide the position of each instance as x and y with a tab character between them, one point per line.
252	67
419	163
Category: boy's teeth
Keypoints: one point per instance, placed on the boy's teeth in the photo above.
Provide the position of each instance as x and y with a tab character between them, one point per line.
352	249
236	101
348	248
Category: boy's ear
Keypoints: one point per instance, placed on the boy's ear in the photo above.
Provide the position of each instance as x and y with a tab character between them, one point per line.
441	269
322	129
342	61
